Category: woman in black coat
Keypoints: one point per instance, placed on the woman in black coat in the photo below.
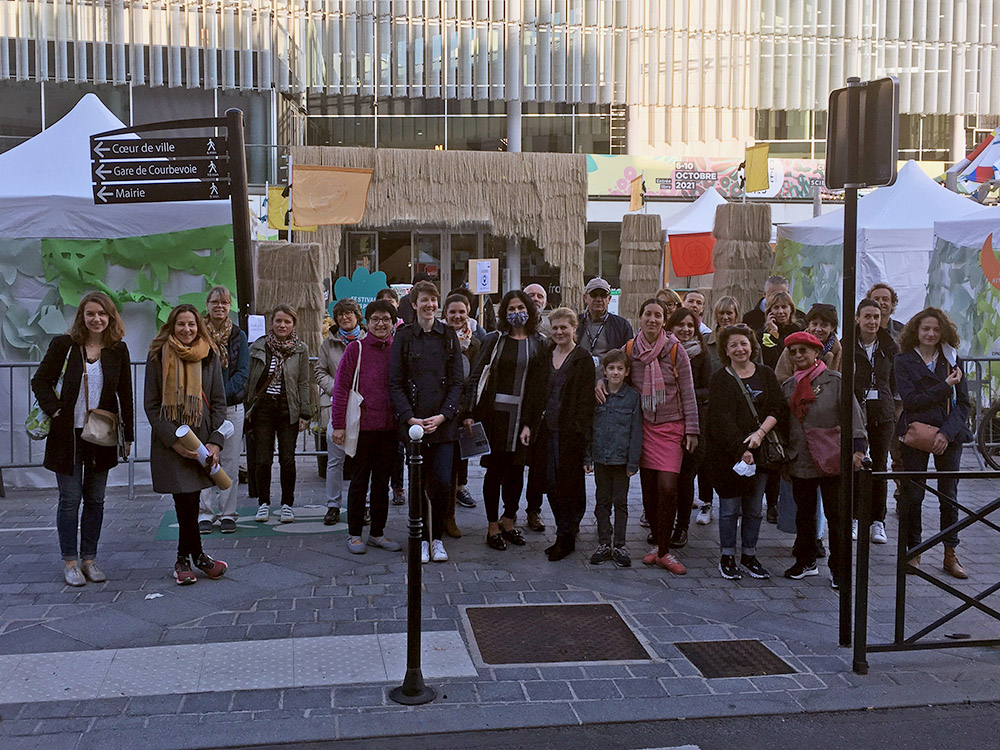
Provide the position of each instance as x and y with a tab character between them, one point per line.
874	385
184	387
684	325
559	420
92	361
934	392
735	435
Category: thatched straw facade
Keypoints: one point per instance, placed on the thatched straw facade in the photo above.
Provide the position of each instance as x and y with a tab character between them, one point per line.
742	255
542	197
642	256
292	274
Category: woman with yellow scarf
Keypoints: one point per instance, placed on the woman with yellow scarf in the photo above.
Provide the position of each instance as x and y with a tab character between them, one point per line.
184	387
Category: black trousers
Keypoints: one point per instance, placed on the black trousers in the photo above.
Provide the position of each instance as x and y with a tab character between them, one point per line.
270	420
565	483
503	473
398	466
690	468
438	459
805	492
880	437
536	484
188	536
371	466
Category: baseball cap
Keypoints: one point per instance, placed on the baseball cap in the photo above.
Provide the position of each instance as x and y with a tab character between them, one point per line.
597	283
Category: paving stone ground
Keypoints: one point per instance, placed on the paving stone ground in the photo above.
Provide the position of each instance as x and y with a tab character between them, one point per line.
298	585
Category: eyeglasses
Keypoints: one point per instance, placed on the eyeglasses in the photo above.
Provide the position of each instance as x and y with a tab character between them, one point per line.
380	322
793	350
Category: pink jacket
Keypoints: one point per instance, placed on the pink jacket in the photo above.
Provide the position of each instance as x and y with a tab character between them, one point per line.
680	403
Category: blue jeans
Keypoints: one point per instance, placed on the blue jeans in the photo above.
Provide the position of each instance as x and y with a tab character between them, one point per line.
87	485
747	506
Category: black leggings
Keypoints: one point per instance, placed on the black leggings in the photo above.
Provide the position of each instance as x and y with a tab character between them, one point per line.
188	536
659	501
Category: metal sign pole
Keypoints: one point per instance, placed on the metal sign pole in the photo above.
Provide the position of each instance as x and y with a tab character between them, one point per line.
843	575
240	202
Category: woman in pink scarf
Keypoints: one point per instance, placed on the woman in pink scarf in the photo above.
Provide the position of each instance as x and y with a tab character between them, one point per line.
661	372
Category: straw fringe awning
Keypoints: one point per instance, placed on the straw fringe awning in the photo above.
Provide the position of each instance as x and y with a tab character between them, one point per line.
742	256
642	257
542	197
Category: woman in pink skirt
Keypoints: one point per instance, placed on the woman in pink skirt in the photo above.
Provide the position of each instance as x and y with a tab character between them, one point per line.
661	372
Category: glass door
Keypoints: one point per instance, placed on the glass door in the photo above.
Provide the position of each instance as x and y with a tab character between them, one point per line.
464	247
427	256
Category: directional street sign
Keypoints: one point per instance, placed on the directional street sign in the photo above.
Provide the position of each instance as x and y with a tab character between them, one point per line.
134	148
178	169
158	192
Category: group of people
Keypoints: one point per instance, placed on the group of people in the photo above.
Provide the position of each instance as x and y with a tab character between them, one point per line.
745	408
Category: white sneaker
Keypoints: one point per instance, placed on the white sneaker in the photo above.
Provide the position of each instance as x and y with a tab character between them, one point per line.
425	552
854	530
287	514
263	513
704	516
438	552
878	533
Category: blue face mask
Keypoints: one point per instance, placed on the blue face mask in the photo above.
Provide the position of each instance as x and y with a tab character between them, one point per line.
517	319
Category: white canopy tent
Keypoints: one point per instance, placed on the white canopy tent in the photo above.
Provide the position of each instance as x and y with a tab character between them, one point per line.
48	191
895	240
697	217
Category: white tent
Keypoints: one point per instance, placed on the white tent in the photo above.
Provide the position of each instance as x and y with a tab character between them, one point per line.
895	239
964	279
48	190
697	217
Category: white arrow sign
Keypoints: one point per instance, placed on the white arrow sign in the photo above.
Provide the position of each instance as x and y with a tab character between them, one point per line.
100	150
101	171
101	194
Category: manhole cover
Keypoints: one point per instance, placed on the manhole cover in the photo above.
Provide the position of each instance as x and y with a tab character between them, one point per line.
553	633
733	658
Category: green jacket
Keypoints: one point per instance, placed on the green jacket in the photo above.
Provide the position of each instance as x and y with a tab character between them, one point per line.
296	377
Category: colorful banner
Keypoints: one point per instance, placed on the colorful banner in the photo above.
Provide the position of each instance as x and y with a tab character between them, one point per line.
683	177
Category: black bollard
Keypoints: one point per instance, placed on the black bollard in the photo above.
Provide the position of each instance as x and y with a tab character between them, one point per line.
864	501
413	691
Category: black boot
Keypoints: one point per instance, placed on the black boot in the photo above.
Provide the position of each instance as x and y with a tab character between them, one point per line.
564	546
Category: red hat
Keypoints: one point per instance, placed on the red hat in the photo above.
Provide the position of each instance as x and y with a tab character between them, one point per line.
802	337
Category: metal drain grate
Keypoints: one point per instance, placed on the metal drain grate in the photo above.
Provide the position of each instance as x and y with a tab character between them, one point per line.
553	633
733	658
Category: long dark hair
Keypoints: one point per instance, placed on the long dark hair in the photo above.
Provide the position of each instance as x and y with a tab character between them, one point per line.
503	326
678	317
168	328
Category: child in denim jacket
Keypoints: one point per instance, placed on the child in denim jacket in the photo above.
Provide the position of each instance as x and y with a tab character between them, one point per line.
614	457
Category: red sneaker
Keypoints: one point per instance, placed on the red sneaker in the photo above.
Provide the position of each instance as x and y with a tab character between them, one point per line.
672	564
650	557
212	568
183	573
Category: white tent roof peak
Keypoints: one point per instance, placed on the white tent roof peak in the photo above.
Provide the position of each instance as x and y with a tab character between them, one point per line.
697	217
51	162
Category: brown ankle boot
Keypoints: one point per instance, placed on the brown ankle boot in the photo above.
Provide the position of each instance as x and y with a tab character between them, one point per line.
913	564
951	564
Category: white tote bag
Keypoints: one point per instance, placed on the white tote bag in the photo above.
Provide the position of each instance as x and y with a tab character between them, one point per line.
353	415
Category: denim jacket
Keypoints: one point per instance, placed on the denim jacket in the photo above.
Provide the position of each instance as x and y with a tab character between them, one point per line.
618	430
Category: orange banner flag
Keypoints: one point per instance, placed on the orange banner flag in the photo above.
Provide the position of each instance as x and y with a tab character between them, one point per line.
329	195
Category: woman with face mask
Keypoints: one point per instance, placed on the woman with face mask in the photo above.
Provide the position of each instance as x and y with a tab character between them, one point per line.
494	395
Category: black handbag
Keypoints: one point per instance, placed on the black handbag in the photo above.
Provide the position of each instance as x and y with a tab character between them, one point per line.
772	450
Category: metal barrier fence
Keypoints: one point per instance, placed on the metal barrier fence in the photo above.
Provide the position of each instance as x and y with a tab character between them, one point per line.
19	452
918	640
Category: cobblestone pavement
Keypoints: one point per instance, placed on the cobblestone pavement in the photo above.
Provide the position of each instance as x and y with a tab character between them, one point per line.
300	586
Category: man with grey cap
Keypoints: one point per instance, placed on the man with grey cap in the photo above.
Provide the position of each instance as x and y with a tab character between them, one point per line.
601	331
537	294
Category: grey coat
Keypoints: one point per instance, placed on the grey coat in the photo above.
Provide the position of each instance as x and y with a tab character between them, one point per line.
325	374
172	473
823	412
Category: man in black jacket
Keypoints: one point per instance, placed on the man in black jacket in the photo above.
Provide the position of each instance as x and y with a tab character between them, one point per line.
425	382
600	331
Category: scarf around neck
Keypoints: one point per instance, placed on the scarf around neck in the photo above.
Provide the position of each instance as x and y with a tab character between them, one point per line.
348	336
654	389
181	400
692	347
803	394
465	336
221	338
280	350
